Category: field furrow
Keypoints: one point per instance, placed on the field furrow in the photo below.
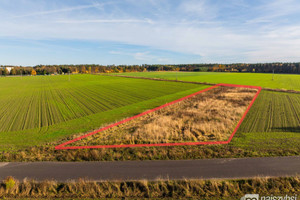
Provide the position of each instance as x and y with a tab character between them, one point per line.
273	112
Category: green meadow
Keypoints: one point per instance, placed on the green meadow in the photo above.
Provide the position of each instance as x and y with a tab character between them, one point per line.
39	109
279	81
273	123
43	111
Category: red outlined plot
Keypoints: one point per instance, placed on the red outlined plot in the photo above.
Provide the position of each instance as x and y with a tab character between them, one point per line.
63	146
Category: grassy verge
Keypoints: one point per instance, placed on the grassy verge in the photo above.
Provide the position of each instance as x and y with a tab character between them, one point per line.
192	189
47	153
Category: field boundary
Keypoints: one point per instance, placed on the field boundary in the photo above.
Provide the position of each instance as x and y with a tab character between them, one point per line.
201	83
63	145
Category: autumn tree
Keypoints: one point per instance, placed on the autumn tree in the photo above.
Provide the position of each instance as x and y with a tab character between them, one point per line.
13	71
5	72
33	72
82	69
96	70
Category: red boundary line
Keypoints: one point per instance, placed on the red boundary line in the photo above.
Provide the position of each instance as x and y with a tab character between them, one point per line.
63	146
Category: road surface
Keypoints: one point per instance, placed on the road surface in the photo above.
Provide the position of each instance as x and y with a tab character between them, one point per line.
152	170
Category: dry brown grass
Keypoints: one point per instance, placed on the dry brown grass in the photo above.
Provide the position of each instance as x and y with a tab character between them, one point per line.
181	189
209	116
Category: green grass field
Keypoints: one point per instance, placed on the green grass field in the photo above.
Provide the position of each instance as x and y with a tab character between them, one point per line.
273	122
35	110
281	81
44	111
273	112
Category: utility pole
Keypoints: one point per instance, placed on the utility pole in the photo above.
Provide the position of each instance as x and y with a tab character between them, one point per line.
176	75
273	75
69	76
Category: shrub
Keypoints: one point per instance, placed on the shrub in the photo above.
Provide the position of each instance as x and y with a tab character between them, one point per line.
9	183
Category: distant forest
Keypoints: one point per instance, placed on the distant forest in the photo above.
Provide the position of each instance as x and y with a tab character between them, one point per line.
287	68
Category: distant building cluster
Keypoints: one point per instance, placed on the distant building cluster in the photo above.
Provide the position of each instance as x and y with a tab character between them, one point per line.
8	68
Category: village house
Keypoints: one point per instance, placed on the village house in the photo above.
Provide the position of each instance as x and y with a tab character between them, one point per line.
8	68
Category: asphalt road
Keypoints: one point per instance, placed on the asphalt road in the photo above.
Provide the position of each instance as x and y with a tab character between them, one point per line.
152	170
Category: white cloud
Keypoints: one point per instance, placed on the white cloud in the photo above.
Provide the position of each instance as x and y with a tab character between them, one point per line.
201	8
145	56
141	56
258	20
149	21
68	9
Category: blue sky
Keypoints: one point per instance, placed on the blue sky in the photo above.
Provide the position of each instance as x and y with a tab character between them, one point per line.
148	31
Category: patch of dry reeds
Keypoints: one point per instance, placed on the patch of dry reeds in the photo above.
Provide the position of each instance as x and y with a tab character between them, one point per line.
209	116
200	189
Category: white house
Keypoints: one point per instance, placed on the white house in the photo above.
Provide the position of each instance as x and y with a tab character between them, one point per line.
8	68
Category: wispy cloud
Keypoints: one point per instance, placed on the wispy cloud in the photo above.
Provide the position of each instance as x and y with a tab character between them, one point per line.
141	56
149	21
68	9
275	11
258	20
136	55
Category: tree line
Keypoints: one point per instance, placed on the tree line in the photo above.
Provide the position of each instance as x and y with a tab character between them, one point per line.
289	68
